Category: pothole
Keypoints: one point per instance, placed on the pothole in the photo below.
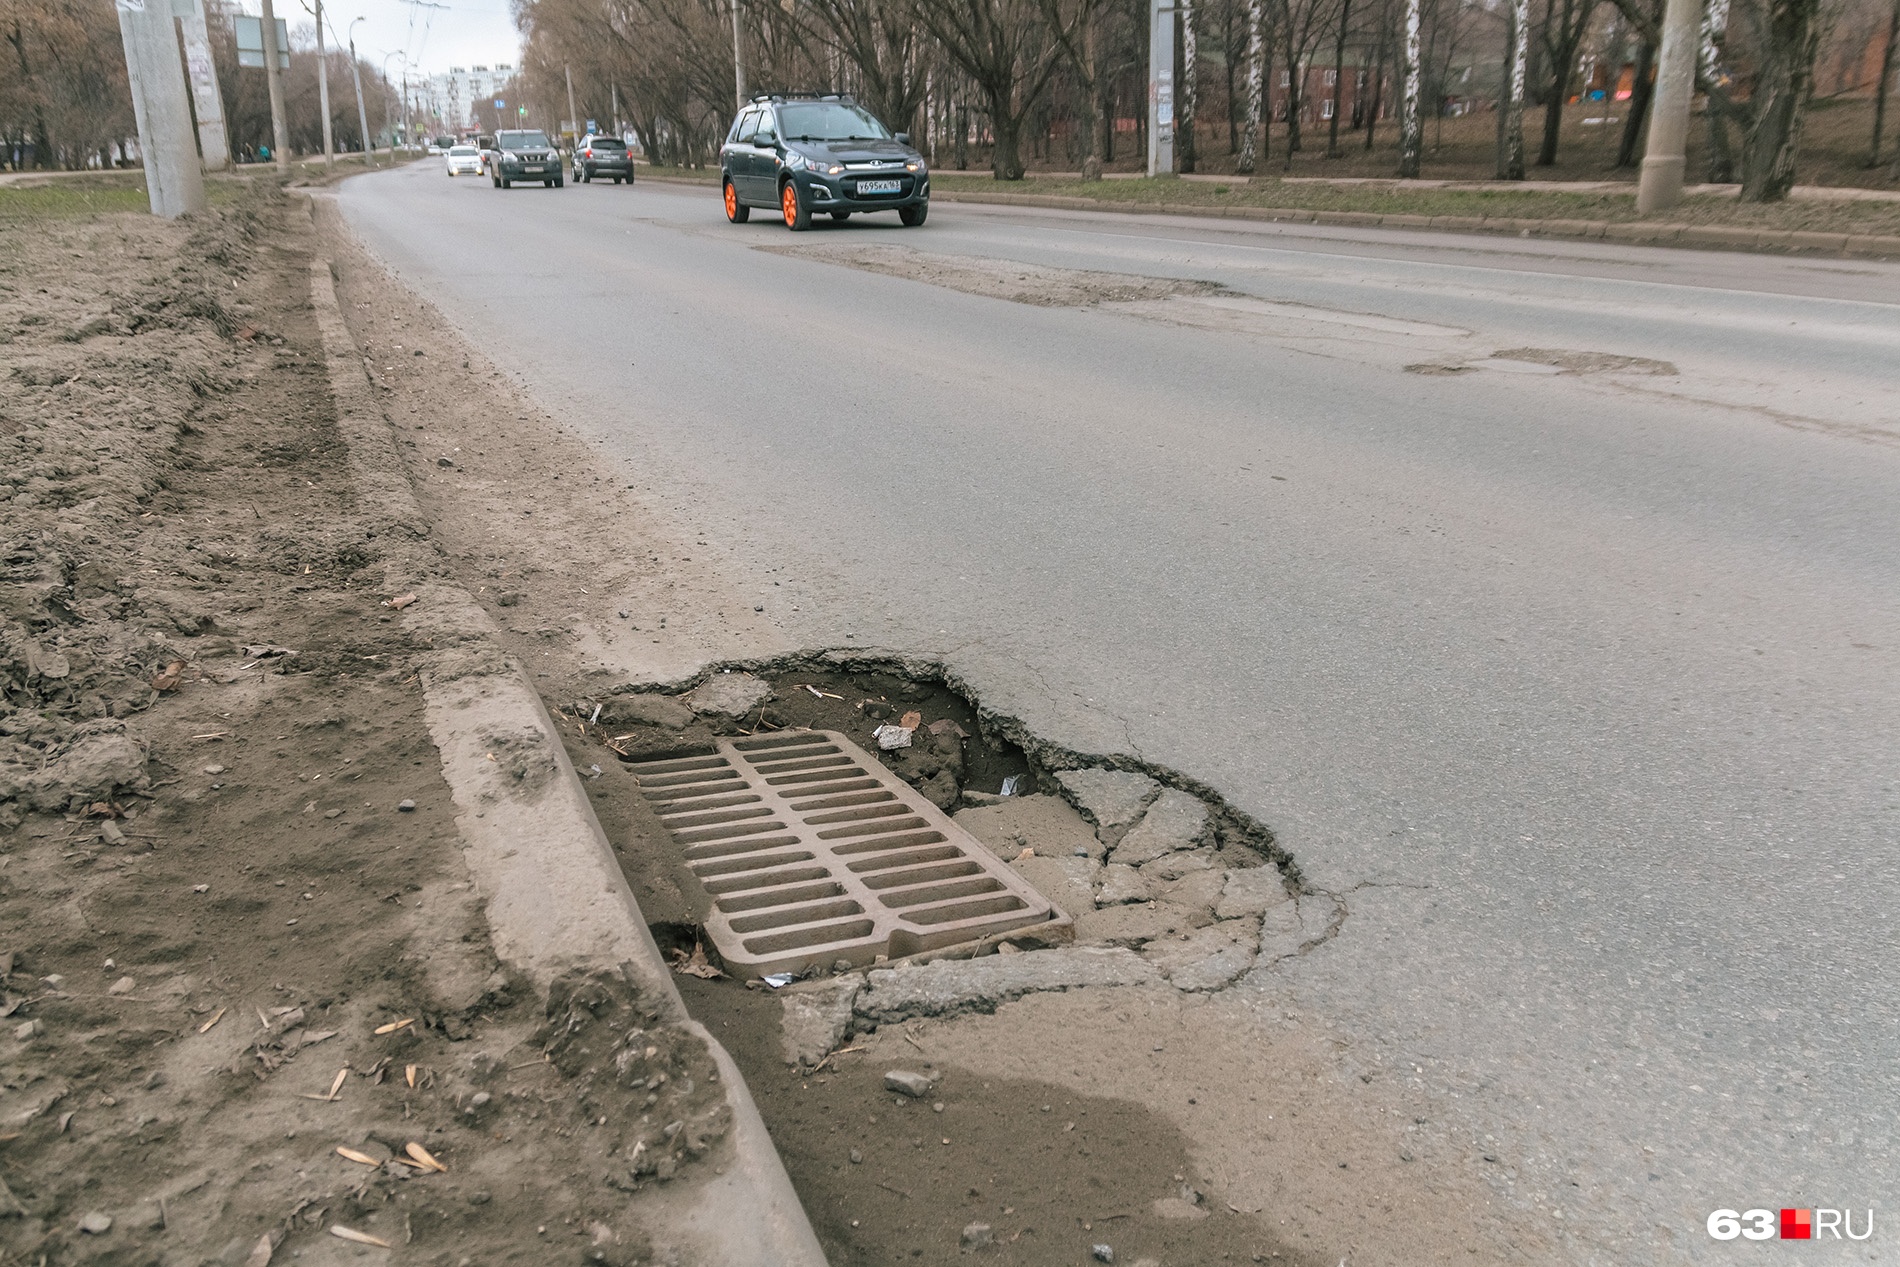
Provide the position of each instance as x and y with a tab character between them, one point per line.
1155	878
1549	361
1035	284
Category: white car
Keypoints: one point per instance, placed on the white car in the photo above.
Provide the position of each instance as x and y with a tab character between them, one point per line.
464	160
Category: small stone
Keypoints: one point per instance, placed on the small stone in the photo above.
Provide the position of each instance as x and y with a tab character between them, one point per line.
110	833
906	1082
479	1197
214	769
1102	1253
332	813
1121	884
124	985
201	888
444	462
406	806
95	1223
479	1100
937	1107
28	1029
977	1236
857	1158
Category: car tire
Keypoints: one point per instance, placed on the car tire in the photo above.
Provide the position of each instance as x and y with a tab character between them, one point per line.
913	216
792	206
582	176
737	212
506	183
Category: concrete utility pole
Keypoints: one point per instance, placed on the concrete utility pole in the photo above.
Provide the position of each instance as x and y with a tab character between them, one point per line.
738	59
274	81
174	184
1160	88
573	120
1660	185
362	115
213	144
323	93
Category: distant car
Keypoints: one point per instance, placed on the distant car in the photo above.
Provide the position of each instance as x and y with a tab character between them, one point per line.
464	160
599	155
434	148
814	155
525	155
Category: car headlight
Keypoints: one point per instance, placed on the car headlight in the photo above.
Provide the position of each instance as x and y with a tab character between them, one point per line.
825	166
511	156
915	165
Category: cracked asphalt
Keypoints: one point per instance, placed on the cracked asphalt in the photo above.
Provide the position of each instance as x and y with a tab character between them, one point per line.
1577	690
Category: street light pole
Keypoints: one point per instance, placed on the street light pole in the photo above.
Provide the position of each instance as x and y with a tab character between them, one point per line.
573	120
1660	185
738	58
274	81
323	93
362	115
174	183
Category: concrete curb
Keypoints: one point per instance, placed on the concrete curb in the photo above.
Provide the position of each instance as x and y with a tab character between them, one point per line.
556	900
1633	232
1642	233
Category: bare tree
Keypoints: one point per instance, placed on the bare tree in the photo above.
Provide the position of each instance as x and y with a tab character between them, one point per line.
1009	52
1565	22
1411	131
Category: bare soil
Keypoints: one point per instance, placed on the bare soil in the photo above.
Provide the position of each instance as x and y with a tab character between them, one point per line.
238	934
1293	1147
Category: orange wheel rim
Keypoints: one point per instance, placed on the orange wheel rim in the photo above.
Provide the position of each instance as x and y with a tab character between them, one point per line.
790	202
732	202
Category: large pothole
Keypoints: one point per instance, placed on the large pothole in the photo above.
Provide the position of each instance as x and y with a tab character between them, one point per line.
1160	880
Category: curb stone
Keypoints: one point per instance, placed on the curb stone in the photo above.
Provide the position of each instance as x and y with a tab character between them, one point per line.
1636	232
556	900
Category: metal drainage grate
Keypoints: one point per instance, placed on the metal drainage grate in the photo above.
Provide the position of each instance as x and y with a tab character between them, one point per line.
814	852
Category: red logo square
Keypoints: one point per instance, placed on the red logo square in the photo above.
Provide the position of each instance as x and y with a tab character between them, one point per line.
1797	1225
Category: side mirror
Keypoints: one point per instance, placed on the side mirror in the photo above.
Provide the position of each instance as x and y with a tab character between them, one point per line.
902	138
766	141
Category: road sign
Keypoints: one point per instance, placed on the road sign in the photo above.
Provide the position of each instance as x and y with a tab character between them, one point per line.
250	42
499	103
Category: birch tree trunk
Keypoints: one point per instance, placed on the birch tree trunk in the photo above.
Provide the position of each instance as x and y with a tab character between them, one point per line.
1190	58
1256	84
1411	133
1514	116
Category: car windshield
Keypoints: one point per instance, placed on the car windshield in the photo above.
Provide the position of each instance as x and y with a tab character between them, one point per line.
522	141
829	121
463	150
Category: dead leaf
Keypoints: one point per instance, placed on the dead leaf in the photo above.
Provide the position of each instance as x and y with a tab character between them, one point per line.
400	601
336	1084
311	1040
168	680
409	1074
911	720
393	1026
215	1018
423	1156
1026	853
361	1238
350	1154
696	964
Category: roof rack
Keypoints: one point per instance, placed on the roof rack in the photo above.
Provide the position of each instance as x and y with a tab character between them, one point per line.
844	97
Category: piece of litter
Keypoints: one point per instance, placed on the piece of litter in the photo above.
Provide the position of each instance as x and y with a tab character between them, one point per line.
350	1154
399	602
890	737
361	1238
822	694
1011	784
778	980
911	720
168	680
696	964
596	716
215	1018
423	1156
393	1026
409	1074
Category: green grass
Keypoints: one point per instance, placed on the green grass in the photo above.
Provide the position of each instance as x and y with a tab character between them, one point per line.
1399	199
91	196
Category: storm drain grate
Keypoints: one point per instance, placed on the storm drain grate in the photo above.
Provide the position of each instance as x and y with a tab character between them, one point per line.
814	852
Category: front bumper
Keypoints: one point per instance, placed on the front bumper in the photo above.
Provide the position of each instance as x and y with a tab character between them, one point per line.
840	193
550	170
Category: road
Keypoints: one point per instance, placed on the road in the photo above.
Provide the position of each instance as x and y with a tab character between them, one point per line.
1579	689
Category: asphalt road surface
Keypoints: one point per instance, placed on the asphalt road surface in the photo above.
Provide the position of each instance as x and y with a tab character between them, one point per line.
1578	687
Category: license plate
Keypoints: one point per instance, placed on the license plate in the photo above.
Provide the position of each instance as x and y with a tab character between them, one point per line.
531	168
879	186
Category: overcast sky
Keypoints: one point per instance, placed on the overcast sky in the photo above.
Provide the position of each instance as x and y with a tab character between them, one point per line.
465	33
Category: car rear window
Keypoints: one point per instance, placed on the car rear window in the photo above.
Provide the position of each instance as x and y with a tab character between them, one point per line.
462	149
607	143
